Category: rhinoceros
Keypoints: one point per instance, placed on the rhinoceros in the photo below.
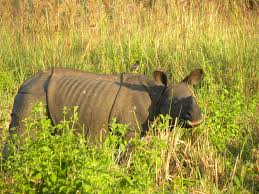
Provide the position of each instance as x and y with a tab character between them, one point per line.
133	99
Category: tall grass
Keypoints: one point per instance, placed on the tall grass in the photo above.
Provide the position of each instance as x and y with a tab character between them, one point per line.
175	36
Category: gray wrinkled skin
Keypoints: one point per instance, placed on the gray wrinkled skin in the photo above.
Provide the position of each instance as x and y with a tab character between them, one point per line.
132	98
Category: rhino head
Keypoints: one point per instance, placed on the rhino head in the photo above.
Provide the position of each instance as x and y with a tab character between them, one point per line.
178	99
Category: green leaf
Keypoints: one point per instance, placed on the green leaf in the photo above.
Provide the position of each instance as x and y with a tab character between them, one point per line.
45	189
236	180
53	177
62	189
86	187
38	176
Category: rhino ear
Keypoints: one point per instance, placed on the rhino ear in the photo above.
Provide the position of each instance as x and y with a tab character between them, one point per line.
160	77
194	77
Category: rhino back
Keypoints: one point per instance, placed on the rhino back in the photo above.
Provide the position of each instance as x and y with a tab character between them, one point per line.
93	94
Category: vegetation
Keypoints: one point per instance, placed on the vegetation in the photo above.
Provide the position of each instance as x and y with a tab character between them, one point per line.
219	156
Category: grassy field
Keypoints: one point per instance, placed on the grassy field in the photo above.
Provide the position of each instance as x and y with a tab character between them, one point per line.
219	156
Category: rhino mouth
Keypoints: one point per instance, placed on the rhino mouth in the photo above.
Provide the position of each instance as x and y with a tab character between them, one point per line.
193	123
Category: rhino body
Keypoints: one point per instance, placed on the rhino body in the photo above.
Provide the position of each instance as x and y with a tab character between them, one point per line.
132	99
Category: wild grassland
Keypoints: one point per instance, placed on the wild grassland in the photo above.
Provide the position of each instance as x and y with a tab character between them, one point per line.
221	155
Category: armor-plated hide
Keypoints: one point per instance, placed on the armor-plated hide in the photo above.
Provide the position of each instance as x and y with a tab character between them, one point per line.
131	98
